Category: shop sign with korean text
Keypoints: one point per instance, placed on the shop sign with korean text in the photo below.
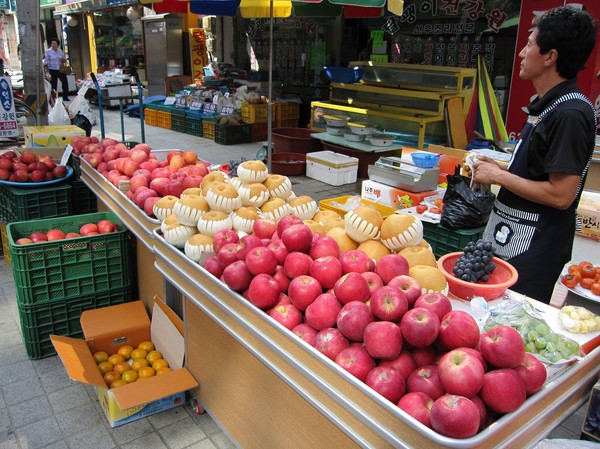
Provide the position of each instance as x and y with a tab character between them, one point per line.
8	118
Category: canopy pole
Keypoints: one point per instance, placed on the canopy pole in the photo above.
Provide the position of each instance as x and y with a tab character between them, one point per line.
270	90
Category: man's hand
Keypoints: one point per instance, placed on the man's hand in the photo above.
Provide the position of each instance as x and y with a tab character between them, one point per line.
486	170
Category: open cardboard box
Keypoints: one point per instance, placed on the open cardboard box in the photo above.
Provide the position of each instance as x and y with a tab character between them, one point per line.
109	328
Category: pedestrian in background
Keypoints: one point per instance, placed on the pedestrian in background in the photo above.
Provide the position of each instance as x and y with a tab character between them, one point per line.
54	58
533	222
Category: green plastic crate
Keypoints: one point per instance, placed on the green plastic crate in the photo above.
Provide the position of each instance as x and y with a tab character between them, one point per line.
83	200
193	126
63	269
444	240
61	318
22	204
233	134
178	122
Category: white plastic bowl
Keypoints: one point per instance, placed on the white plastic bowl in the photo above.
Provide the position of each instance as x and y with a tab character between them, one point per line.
381	140
336	120
335	130
353	137
361	128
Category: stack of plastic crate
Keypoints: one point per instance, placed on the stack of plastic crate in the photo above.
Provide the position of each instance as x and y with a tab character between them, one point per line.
55	281
178	119
286	114
233	134
193	123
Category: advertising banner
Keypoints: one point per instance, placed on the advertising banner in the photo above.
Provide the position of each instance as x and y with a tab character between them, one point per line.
198	54
8	118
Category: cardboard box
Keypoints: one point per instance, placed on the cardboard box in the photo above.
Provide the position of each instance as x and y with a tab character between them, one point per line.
331	168
391	196
51	136
109	328
588	212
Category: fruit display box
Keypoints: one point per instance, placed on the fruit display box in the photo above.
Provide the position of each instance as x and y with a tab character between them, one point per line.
59	270
107	329
588	212
51	136
444	240
391	196
332	168
21	204
61	318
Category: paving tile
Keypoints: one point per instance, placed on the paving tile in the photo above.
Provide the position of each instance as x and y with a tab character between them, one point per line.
57	445
221	441
92	438
9	442
29	411
5	424
206	423
204	444
68	398
56	380
167	417
17	392
42	366
151	440
12	355
10	338
182	433
16	372
79	418
39	433
2	403
130	431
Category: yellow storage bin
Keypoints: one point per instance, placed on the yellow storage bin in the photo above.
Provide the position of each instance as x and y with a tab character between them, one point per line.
163	119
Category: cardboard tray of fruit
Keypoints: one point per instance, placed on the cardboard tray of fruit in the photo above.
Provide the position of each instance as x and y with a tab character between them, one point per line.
213	296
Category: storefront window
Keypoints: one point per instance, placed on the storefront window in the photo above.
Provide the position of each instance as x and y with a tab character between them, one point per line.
118	40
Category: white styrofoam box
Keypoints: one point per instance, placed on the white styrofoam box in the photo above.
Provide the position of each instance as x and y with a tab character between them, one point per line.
331	168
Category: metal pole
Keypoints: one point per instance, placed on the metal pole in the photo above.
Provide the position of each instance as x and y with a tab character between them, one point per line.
270	89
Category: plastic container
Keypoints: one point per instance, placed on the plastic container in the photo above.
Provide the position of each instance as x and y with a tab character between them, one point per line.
425	160
343	74
233	134
63	269
83	200
502	278
337	204
61	318
178	122
208	128
150	116
193	126
21	204
444	240
288	164
254	113
163	119
295	140
331	168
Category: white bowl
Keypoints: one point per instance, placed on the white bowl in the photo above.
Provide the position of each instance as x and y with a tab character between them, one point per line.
335	130
336	120
381	140
361	128
352	137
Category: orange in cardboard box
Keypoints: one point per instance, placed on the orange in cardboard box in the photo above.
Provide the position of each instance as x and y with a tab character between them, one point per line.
107	329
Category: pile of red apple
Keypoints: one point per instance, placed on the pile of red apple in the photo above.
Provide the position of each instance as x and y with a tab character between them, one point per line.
147	179
372	319
29	167
86	230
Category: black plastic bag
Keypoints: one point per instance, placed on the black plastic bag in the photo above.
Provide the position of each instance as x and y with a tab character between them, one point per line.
82	122
465	208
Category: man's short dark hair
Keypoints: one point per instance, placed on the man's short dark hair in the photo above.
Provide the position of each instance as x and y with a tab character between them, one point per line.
54	39
571	32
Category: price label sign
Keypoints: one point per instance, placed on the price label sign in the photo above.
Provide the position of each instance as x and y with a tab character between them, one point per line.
227	110
196	105
8	116
169	101
180	102
210	108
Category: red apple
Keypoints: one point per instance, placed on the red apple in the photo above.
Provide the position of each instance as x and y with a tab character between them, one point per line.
137	181
438	303
24	241
426	379
356	360
420	327
351	287
55	234
106	227
37	176
286	221
323	311
418	405
390	266
460	373
245	244
327	270
261	259
88	228
355	260
224	236
236	276
174	188
38	236
306	332
533	374
330	342
353	319
297	237
455	416
388	303
281	277
213	266
503	390
404	363
141	195
297	264
458	329
324	246
386	381
502	347
409	285
373	280
280	251
287	315
424	356
264	228
149	205
303	290
383	340
227	254
482	410
263	291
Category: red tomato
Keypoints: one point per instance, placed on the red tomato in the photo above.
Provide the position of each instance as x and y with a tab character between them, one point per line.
435	210
588	271
569	280
574	270
587	283
595	288
421	208
585	263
